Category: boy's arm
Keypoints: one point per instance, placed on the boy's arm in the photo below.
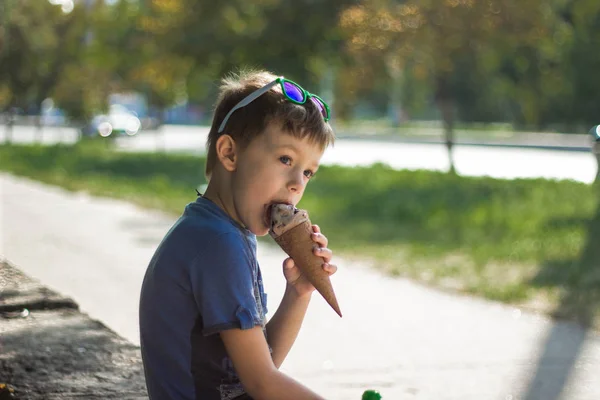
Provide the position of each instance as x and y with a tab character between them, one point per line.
252	361
283	327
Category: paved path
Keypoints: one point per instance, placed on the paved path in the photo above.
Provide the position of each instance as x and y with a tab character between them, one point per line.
408	341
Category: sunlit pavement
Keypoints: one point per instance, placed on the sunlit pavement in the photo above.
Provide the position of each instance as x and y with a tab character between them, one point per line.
498	162
406	340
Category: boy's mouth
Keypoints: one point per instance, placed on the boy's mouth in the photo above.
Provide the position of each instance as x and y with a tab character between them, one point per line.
268	209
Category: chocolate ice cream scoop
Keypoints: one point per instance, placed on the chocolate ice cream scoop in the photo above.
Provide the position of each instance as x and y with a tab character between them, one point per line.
284	217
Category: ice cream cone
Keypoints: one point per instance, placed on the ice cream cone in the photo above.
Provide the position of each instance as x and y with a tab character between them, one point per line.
298	244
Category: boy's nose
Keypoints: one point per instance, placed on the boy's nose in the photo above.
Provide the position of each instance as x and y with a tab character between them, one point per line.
296	183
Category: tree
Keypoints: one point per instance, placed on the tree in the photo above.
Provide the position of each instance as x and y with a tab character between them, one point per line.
434	38
128	31
37	45
120	53
580	63
222	36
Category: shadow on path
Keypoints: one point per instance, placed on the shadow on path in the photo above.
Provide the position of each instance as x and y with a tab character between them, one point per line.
579	280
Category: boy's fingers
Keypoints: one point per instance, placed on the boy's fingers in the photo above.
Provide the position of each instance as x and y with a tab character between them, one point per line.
324	252
316	229
330	268
320	239
288	263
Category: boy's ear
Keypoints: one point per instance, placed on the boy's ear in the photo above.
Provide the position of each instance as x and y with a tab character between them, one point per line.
227	152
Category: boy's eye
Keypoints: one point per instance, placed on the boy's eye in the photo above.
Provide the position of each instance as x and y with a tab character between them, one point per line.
308	173
285	159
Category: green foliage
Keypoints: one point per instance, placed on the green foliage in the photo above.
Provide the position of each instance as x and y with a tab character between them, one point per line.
38	41
227	35
529	62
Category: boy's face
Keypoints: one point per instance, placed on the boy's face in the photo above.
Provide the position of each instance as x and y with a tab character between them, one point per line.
274	168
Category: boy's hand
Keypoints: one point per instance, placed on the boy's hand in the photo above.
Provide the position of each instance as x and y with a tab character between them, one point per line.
293	274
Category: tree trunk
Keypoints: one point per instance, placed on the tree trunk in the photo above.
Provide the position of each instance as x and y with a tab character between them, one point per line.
446	108
8	137
445	103
394	70
39	129
162	135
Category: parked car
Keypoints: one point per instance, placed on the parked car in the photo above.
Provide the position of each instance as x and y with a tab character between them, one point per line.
118	121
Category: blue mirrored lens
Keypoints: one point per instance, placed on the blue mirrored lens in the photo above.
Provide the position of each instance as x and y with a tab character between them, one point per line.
320	106
293	91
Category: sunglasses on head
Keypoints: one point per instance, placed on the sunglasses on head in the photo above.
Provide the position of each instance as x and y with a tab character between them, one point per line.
291	90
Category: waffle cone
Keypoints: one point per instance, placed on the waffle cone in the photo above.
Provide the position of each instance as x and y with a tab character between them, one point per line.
298	244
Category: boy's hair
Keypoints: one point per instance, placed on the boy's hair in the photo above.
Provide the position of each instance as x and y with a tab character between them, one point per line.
248	122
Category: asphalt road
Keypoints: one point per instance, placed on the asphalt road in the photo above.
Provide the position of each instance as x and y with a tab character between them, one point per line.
495	161
408	341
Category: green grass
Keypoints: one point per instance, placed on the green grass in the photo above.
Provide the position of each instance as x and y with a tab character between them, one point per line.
529	242
151	180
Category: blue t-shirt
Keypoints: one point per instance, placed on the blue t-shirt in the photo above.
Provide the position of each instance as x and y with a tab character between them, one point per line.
202	279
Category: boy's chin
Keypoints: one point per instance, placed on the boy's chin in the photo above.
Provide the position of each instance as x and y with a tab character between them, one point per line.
262	231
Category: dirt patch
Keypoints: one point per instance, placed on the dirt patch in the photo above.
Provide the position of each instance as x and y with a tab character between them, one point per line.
50	350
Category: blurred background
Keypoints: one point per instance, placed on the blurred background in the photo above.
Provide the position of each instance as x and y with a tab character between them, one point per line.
468	140
390	65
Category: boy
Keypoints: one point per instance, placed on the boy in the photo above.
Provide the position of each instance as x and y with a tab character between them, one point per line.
202	307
